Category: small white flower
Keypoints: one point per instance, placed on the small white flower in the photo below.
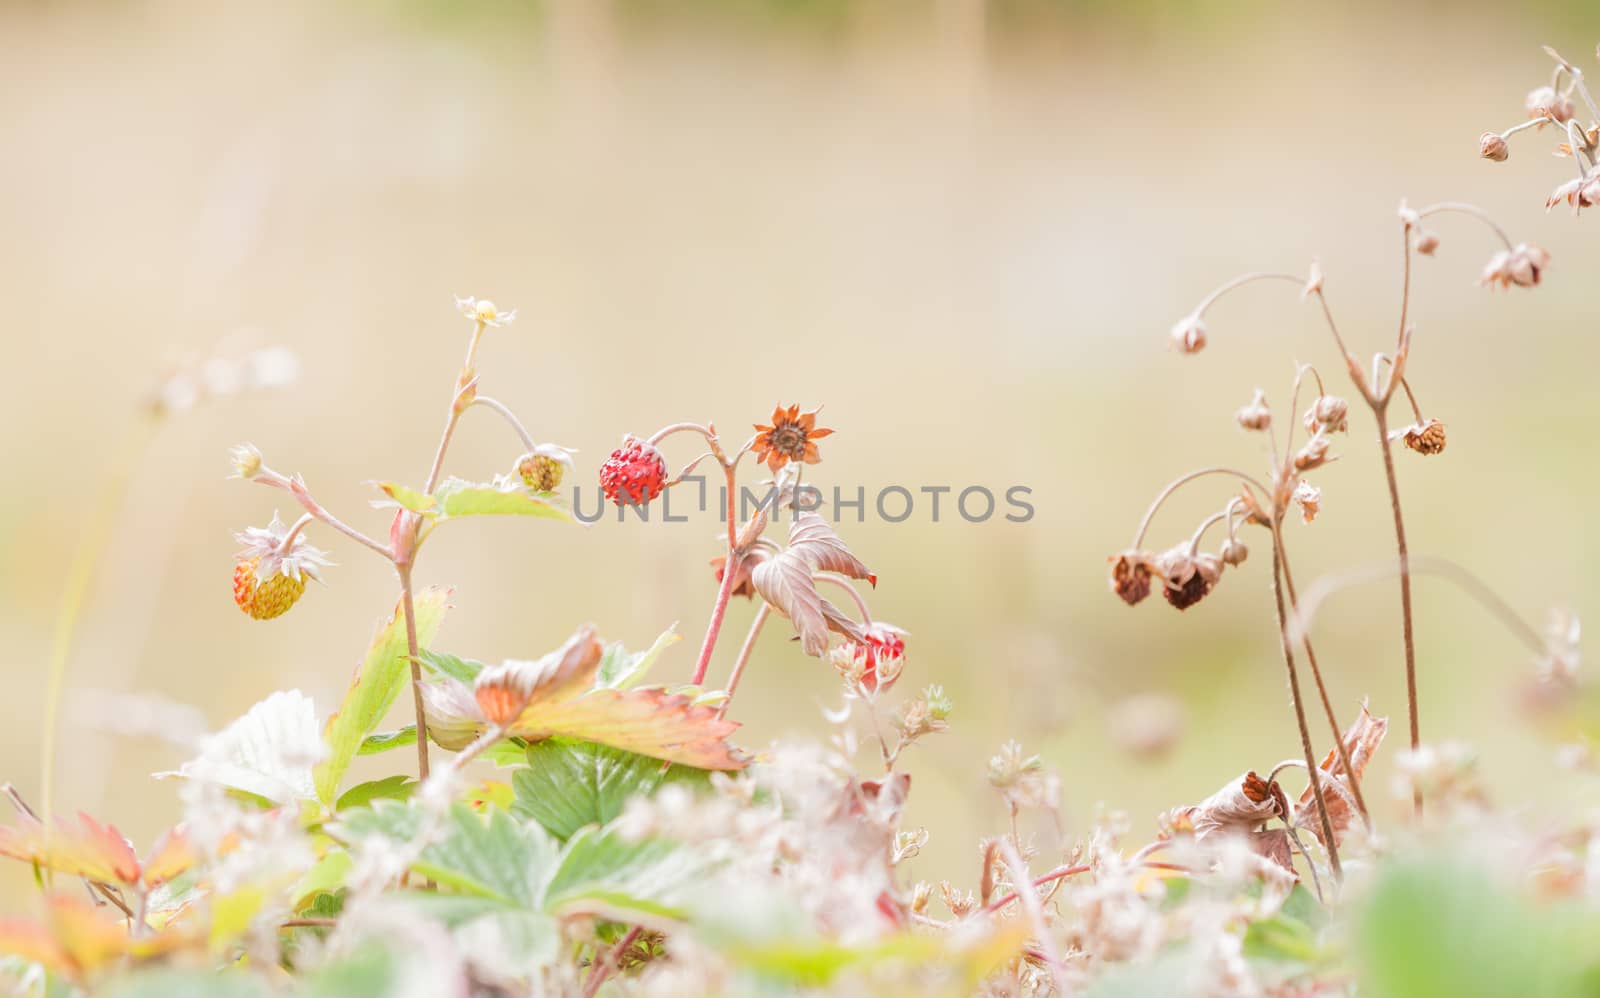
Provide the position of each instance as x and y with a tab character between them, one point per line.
485	311
299	559
246	460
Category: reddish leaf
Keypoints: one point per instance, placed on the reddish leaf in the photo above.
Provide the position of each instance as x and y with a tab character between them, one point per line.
92	850
1361	741
649	721
813	539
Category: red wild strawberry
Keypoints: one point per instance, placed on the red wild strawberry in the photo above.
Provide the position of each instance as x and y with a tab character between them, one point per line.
635	473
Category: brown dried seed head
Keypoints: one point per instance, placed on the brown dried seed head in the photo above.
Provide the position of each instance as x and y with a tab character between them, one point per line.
1492	146
1130	576
1256	415
1427	241
1425	438
1203	572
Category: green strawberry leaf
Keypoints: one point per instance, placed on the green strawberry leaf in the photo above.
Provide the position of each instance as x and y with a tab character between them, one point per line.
389	788
601	873
620	668
373	689
503	497
568	784
383	741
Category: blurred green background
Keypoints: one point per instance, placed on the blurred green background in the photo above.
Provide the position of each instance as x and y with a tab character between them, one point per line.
965	228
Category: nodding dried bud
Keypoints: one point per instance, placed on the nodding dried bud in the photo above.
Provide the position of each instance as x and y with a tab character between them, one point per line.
1427	241
1130	576
1545	102
1328	414
1521	265
1233	552
1313	455
1310	499
1190	577
1426	437
1493	146
1256	415
1189	335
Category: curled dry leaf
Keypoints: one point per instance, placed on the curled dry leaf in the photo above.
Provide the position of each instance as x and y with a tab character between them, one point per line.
1361	740
1238	807
786	581
503	691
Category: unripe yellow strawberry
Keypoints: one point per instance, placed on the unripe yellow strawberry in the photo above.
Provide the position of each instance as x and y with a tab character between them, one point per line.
264	599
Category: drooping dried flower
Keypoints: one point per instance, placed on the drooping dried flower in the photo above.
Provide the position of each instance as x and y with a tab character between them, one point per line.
1310	499
1581	193
1547	102
1521	265
1328	414
1190	576
791	437
1313	455
1426	437
1493	146
1189	334
1130	576
1427	241
1255	415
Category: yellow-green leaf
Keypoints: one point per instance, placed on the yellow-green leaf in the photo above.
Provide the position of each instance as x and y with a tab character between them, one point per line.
373	689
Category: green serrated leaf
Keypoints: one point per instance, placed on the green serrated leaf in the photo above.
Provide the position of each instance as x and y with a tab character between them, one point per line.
603	873
457	498
407	498
569	783
376	684
620	668
389	788
438	663
496	858
383	741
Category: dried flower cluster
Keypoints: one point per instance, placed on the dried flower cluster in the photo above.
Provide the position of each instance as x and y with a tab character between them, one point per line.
1566	107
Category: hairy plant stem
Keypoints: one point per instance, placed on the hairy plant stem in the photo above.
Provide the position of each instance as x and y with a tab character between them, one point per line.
745	650
1404	557
1313	774
1316	675
409	608
730	570
613	959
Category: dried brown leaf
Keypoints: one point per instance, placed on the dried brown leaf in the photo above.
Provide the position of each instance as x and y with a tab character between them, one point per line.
1361	741
1243	804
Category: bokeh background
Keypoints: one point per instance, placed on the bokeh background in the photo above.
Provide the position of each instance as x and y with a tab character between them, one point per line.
964	228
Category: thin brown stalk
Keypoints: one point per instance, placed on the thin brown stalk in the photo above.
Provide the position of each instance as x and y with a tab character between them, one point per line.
1300	711
408	606
1322	690
1403	554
